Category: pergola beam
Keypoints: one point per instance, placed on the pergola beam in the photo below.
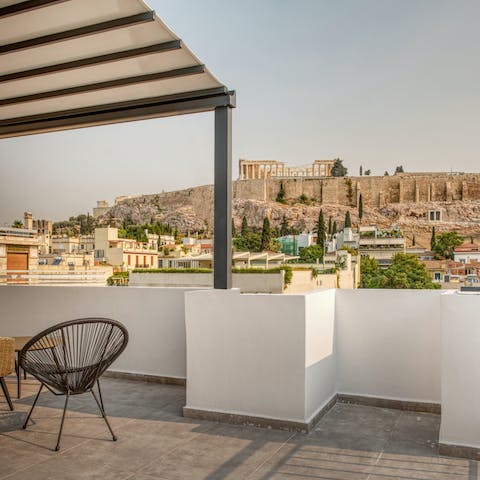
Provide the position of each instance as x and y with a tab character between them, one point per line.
94	61
179	104
119	82
26	6
85	31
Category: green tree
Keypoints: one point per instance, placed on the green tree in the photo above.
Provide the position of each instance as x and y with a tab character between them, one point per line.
250	242
406	271
284	227
385	174
329	228
433	240
321	229
281	194
348	220
338	169
244	229
371	275
311	254
334	228
361	170
360	207
266	234
17	224
303	199
234	232
445	244
399	169
414	240
368	172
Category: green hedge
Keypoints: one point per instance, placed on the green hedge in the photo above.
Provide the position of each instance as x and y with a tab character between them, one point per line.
286	268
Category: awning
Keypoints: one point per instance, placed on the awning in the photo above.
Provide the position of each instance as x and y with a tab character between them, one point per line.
74	63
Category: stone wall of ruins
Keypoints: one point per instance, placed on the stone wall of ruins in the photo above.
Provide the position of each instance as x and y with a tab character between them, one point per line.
376	191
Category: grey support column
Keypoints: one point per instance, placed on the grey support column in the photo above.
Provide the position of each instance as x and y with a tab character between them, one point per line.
222	265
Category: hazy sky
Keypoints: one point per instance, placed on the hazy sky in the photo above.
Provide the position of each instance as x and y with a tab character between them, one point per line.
378	83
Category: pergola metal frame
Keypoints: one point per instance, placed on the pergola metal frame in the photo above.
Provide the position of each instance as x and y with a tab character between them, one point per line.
220	100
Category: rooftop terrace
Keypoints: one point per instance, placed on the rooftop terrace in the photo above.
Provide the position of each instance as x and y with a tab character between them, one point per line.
156	442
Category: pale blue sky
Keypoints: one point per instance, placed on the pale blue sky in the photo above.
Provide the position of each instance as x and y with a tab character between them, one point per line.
376	82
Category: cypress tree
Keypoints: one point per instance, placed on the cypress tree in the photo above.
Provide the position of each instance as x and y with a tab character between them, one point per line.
329	231
348	220
244	229
234	232
361	170
433	240
414	240
360	207
284	228
334	228
321	229
266	234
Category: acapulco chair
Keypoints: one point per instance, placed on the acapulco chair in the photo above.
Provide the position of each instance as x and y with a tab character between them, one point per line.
69	358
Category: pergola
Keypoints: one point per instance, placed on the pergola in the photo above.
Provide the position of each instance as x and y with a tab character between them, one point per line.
67	64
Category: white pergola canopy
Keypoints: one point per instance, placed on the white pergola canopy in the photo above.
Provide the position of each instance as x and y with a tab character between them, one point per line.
68	64
71	63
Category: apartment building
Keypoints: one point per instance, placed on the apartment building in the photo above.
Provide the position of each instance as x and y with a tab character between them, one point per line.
125	252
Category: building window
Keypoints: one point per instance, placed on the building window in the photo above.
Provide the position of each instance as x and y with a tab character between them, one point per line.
437	276
129	260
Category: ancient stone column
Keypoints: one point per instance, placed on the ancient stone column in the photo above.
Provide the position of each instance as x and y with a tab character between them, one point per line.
417	193
464	190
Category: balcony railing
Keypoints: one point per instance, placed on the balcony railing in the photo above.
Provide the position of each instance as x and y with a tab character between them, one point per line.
283	359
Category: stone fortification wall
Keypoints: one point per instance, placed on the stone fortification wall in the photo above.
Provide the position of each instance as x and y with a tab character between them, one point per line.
376	191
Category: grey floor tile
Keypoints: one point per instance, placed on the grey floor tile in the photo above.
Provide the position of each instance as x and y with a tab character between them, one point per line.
372	421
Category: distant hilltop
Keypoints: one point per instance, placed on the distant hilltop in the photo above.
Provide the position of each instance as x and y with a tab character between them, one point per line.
413	201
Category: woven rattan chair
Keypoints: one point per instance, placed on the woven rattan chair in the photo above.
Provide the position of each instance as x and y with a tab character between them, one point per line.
7	364
69	358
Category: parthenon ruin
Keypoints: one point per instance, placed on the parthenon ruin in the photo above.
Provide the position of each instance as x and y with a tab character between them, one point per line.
257	169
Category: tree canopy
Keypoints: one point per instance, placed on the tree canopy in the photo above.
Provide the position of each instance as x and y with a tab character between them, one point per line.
338	169
311	254
445	244
406	271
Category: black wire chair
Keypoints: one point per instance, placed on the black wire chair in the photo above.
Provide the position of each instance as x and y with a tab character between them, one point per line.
69	358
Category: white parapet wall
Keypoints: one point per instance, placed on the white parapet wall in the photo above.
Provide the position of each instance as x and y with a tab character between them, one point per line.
460	424
389	344
154	317
260	356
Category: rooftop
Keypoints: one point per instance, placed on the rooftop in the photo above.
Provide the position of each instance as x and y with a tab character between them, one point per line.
156	442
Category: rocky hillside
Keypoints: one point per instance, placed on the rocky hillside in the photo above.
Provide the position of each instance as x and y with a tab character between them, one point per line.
191	210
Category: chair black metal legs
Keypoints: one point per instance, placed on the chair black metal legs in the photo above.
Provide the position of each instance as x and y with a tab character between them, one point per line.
102	411
6	393
67	396
33	406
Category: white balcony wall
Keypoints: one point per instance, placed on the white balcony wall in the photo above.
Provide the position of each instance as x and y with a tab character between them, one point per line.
154	317
460	369
268	356
389	344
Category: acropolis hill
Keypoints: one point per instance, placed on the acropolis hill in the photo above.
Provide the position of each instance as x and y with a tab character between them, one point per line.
404	199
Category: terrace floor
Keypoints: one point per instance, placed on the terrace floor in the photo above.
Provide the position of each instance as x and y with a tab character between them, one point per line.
155	442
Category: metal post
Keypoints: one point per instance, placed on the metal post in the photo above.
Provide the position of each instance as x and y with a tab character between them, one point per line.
222	264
